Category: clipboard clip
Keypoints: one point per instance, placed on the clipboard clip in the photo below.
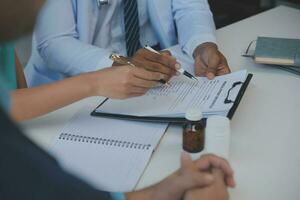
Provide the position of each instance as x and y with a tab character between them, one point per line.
235	84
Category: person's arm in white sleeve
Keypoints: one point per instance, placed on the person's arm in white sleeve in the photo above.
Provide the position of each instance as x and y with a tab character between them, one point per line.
196	34
196	17
58	44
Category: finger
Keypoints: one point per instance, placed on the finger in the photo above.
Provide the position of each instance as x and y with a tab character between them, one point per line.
203	179
186	160
196	180
211	161
223	67
163	59
218	173
148	75
191	177
207	161
200	67
230	181
219	177
212	66
166	52
155	67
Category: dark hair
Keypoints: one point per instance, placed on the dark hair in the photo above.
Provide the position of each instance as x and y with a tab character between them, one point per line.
17	17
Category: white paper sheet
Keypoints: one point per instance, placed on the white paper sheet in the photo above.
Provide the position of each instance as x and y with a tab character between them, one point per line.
181	94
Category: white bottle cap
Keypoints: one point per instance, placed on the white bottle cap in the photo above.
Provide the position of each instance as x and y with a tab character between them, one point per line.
193	114
217	136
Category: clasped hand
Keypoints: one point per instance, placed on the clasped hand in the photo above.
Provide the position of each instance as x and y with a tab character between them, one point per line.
206	178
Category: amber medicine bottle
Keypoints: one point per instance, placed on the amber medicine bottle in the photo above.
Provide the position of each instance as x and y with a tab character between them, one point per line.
193	132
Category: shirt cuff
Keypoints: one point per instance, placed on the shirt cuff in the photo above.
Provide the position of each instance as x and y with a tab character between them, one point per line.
105	61
117	196
194	42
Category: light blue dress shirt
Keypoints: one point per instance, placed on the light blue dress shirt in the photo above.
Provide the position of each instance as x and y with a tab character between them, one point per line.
58	32
110	26
75	36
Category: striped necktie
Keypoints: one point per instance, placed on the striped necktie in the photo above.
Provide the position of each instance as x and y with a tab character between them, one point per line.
132	29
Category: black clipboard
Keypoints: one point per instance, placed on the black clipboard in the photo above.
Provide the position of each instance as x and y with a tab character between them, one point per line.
176	120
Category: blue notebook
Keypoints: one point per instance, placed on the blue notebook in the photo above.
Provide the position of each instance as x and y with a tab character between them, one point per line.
277	51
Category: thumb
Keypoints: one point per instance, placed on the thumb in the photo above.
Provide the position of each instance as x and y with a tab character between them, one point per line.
166	52
186	161
200	67
213	65
191	177
203	179
197	180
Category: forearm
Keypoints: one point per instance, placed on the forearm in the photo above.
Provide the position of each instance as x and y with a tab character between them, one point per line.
169	188
33	102
202	27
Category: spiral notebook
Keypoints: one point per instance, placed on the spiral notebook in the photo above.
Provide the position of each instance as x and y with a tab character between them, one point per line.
109	154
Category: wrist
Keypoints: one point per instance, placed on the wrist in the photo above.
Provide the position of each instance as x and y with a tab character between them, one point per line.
93	82
203	47
144	194
169	188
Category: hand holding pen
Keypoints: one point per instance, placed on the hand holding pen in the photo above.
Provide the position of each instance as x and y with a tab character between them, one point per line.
162	63
124	81
178	68
121	60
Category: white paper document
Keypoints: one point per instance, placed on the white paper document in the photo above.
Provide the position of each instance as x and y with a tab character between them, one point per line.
214	97
109	154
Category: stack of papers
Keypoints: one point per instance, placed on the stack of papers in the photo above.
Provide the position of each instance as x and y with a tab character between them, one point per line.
213	97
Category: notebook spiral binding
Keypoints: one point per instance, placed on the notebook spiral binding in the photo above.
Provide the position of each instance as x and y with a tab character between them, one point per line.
103	141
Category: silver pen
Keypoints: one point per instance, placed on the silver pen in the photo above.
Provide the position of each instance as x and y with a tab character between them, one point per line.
181	70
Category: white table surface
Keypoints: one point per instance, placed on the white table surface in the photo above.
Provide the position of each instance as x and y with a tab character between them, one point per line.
265	131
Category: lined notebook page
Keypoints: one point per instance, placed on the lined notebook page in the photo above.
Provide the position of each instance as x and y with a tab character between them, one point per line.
109	154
